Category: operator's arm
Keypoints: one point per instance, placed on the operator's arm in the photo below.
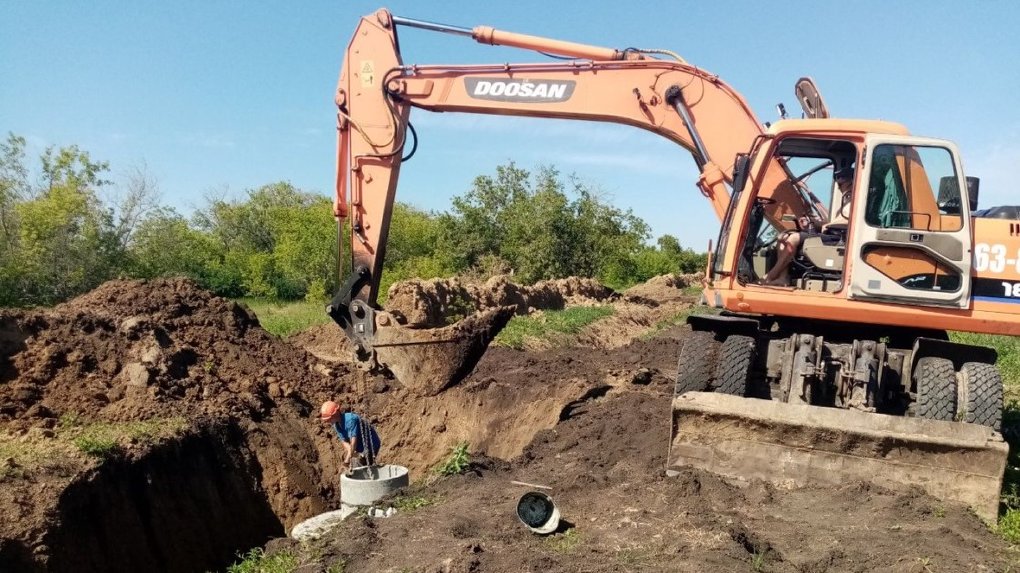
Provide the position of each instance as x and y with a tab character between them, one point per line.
352	425
348	450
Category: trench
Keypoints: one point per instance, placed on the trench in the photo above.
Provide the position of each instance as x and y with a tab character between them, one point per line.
190	504
194	503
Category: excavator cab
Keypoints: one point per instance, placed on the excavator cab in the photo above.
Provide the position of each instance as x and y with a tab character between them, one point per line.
818	214
903	218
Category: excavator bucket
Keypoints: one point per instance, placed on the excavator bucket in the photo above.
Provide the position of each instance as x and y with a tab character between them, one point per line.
428	360
797	445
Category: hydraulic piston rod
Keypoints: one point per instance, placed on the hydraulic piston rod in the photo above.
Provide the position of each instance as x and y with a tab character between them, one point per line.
492	36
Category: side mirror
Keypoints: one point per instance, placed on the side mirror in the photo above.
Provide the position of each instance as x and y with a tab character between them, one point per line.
740	166
949	194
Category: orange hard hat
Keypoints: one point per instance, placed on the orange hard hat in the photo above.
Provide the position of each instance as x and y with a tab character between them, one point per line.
328	410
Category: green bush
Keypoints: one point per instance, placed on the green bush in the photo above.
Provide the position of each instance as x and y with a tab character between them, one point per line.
257	561
456	462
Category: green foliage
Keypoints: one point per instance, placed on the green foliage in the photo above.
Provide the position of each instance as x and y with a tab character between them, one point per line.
286	318
564	542
411	502
1009	521
549	324
97	445
456	462
60	238
258	561
278	243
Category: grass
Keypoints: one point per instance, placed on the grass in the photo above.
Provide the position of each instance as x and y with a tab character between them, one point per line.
677	319
257	561
411	502
284	318
549	324
693	290
56	449
456	462
564	542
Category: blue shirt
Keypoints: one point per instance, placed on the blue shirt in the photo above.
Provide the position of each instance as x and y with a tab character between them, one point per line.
349	427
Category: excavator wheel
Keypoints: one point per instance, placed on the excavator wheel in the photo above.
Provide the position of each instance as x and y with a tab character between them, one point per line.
733	368
697	362
983	400
936	389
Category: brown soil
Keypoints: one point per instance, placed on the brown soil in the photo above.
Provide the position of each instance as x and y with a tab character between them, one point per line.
589	420
437	302
136	350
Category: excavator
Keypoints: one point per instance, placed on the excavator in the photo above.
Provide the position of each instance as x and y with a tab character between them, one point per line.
840	371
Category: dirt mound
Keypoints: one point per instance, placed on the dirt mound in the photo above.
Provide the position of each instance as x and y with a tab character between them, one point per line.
662	289
591	422
324	341
134	351
438	302
131	350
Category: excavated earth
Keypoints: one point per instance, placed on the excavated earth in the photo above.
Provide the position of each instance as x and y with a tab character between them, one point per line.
239	457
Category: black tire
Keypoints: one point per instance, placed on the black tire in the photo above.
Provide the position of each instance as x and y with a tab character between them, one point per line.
733	369
697	363
983	400
936	389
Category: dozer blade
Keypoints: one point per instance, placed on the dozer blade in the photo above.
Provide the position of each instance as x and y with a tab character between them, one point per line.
796	445
429	360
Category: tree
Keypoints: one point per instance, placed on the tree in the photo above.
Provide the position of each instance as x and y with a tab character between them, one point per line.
541	229
65	240
280	241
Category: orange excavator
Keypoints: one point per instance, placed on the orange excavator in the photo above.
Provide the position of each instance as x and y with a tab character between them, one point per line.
847	250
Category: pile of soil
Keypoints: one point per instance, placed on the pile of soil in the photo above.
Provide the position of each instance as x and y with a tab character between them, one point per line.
589	420
131	350
155	350
252	449
438	302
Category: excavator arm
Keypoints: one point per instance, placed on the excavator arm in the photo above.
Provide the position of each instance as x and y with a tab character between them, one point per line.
376	92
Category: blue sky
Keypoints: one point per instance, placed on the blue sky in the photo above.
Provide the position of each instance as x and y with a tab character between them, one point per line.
218	97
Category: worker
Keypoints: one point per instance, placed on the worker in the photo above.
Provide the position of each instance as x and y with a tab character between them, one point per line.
832	232
353	434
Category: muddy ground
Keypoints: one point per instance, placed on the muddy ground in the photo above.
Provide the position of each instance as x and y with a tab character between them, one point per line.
239	457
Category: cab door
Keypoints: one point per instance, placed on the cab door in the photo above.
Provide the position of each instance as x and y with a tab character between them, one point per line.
912	230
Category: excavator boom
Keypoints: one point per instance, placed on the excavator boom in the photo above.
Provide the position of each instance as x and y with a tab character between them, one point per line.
832	386
376	92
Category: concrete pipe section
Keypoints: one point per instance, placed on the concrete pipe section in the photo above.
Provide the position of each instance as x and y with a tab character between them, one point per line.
360	488
364	486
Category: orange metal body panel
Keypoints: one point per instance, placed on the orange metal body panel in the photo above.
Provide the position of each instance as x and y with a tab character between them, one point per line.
376	91
899	262
986	317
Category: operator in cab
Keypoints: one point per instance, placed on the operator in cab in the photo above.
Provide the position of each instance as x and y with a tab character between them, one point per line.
832	233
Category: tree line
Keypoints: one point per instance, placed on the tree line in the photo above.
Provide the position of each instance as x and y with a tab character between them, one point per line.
73	229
